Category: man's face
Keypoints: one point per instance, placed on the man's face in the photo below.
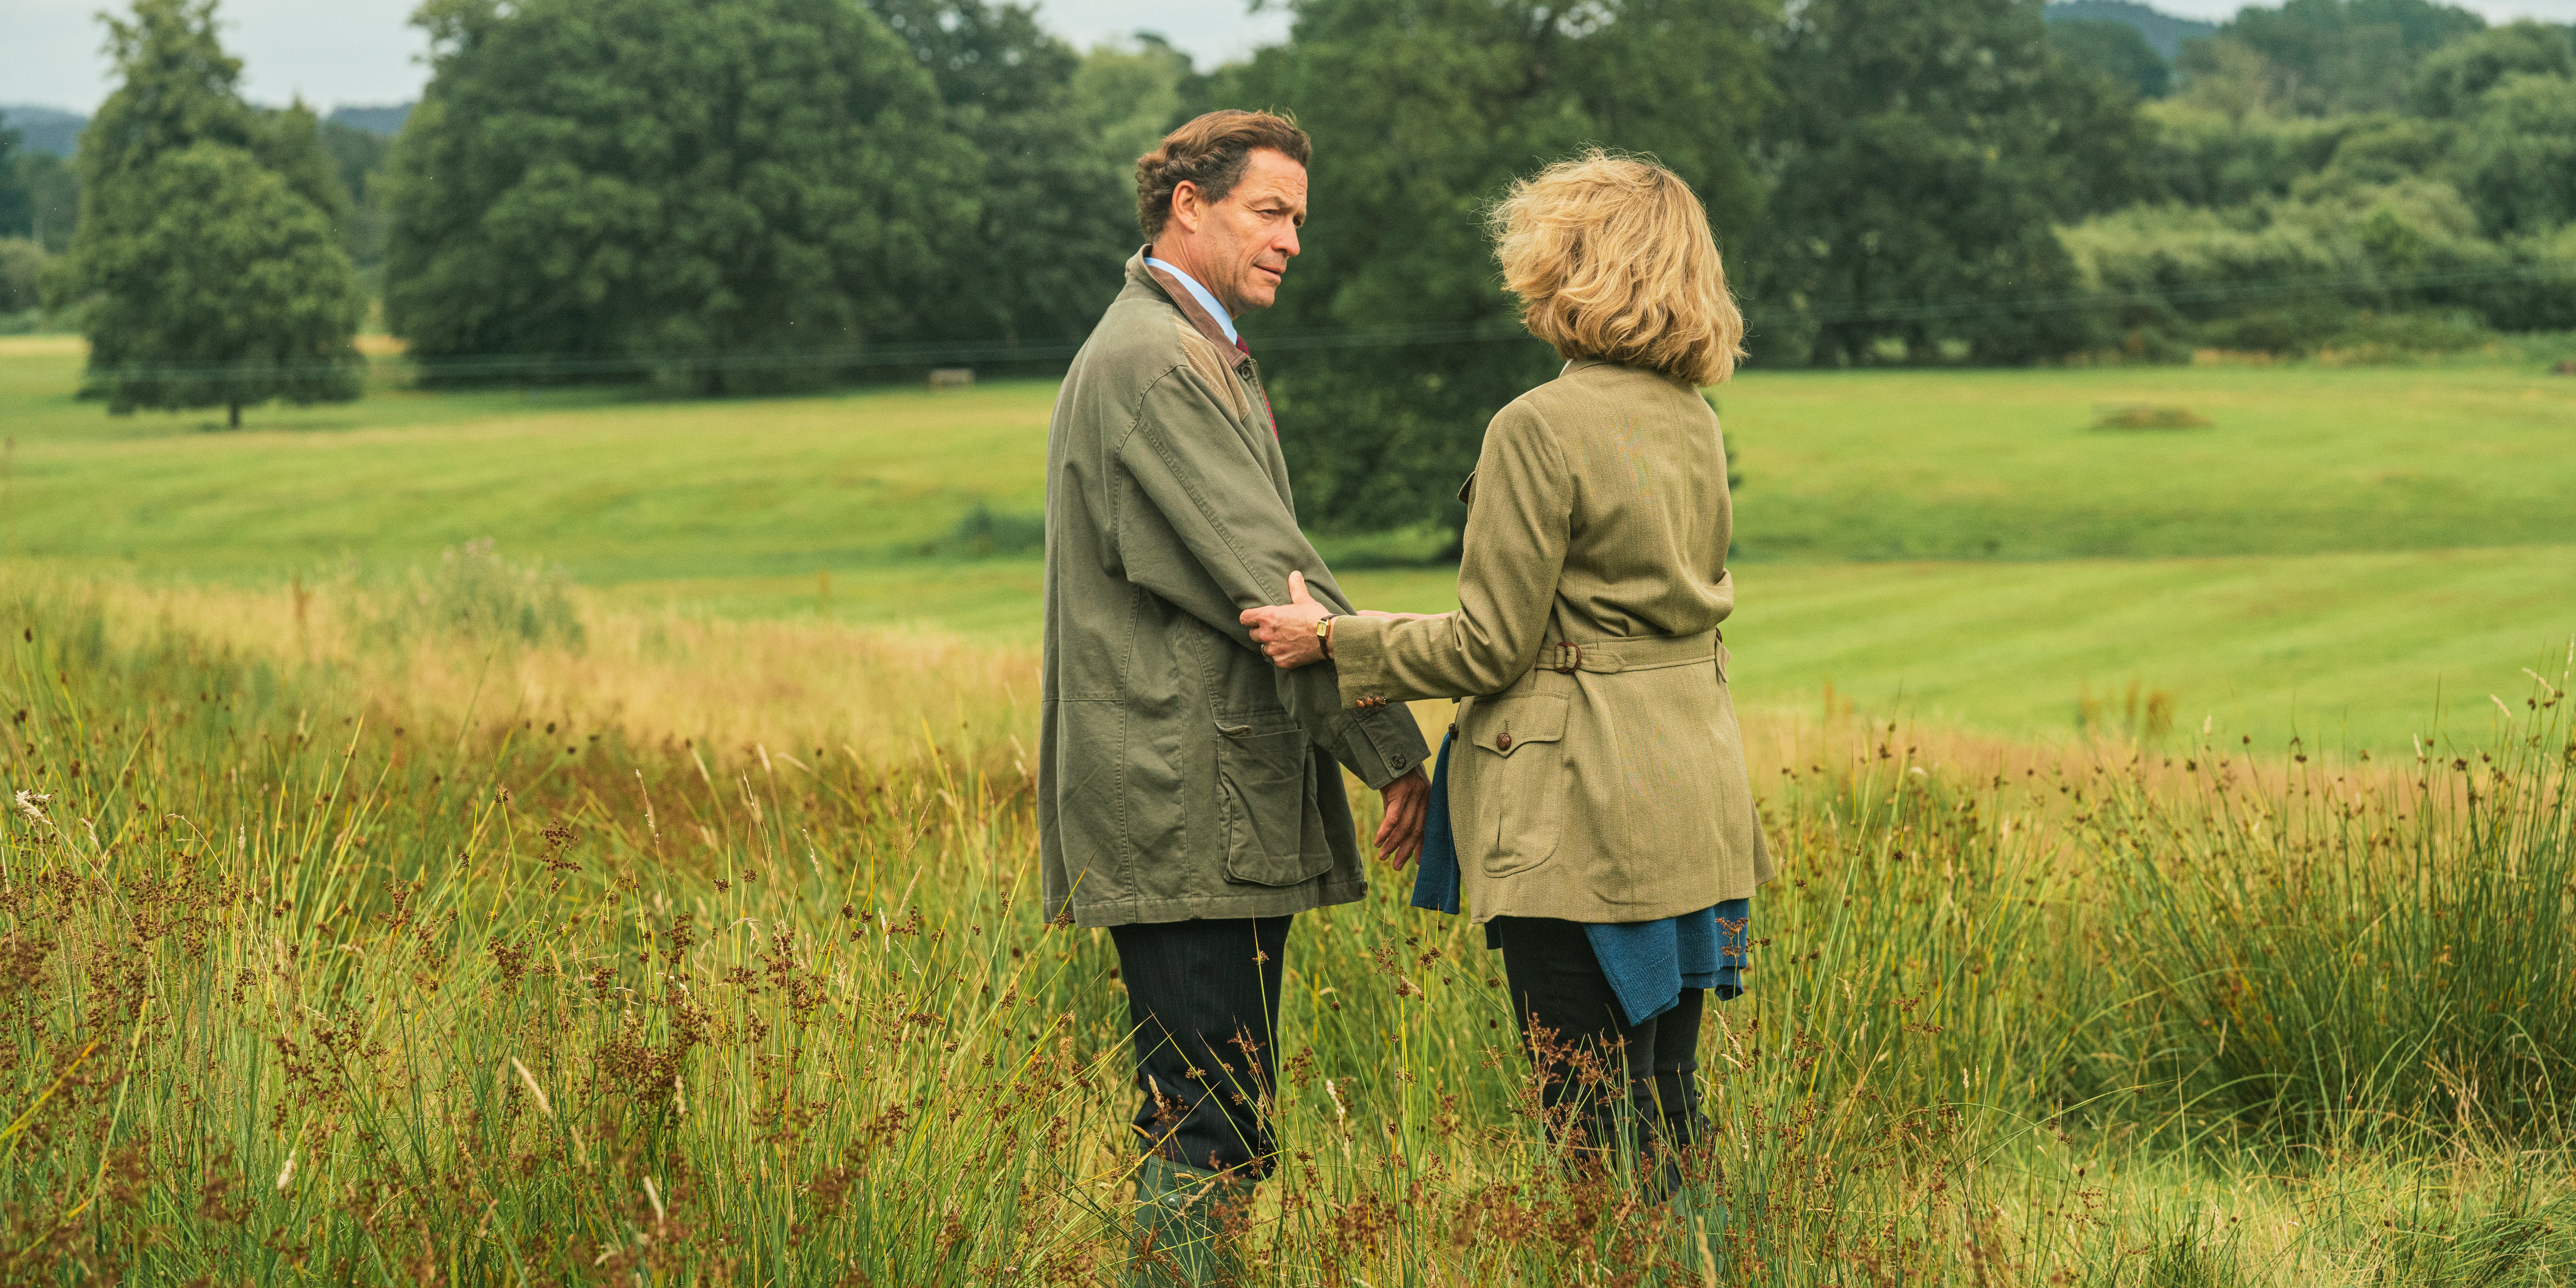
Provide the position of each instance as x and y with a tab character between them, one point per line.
1240	247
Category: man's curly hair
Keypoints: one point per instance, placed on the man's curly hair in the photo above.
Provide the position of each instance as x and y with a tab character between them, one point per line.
1211	152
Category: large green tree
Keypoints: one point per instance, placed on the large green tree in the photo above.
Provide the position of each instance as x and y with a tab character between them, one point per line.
1422	111
1922	159
1039	255
220	286
207	260
288	140
729	193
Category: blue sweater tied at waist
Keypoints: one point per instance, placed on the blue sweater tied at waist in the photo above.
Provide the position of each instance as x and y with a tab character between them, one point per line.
1648	963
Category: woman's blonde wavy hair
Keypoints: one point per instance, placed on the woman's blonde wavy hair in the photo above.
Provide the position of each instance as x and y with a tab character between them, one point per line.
1612	258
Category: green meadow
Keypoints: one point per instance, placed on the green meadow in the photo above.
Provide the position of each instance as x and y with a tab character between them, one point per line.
376	910
2352	556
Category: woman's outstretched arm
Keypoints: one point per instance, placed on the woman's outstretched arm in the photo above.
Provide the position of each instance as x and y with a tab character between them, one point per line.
1514	549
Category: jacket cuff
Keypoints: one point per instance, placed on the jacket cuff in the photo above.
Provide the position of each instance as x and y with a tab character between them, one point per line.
1384	724
1387	742
1359	662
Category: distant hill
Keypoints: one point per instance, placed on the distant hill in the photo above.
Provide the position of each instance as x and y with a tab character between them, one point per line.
46	129
384	122
2163	31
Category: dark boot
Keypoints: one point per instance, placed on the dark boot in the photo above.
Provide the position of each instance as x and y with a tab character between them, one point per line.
1178	1226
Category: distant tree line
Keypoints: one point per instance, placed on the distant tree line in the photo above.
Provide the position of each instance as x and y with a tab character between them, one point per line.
1897	181
2353	174
39	204
738	195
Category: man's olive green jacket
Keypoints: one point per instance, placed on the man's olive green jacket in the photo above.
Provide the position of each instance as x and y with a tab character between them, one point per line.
1598	774
1180	774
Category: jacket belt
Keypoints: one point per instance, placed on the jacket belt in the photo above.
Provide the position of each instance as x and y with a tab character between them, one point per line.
1638	653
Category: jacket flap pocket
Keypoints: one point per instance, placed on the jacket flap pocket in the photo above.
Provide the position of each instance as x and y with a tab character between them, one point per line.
1500	725
1274	834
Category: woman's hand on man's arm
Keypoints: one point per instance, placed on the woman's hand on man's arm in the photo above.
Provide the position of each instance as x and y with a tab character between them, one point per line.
1286	632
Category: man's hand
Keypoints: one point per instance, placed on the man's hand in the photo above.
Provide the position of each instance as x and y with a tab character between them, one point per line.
1286	632
1399	835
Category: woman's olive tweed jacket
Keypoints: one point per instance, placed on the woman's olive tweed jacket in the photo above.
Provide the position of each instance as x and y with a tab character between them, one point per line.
1181	775
1599	777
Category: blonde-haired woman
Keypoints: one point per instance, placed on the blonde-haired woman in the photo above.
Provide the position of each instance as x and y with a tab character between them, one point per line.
1603	823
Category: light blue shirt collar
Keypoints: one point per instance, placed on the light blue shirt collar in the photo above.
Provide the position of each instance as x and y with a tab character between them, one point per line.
1206	301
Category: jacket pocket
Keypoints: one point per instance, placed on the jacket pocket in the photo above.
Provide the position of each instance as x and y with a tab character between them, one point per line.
1520	786
1274	834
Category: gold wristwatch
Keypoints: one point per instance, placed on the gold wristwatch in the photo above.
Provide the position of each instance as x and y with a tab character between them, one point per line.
1324	632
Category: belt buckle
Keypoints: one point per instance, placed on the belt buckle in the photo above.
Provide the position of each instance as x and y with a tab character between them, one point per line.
1569	658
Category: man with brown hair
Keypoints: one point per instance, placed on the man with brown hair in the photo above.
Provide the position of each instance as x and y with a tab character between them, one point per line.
1189	793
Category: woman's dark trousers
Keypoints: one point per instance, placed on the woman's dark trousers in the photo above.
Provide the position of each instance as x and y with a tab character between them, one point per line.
1204	998
1590	1057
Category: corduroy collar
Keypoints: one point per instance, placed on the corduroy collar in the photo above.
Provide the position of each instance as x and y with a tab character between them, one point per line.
1180	297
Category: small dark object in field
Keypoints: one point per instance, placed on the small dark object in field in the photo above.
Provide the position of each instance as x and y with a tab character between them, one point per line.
2567	368
985	533
2147	416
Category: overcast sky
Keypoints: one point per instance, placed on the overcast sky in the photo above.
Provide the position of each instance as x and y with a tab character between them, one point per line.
350	52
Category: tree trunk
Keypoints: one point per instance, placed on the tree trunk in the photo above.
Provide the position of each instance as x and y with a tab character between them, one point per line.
235	415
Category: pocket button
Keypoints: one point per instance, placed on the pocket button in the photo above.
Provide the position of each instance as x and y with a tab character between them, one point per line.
1503	741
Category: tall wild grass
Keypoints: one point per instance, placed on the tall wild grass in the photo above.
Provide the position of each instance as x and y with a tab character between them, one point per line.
349	935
